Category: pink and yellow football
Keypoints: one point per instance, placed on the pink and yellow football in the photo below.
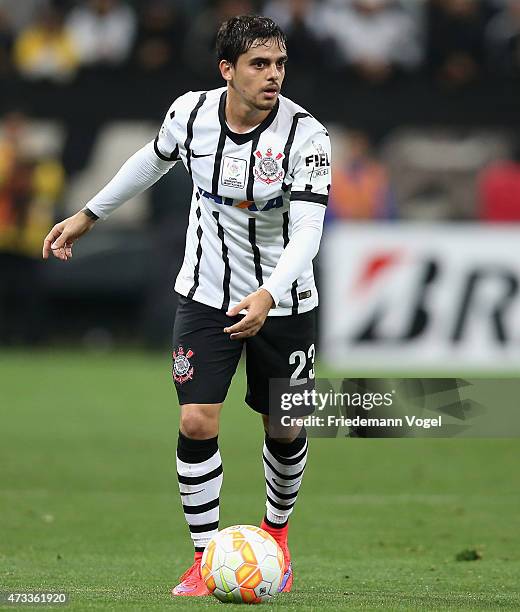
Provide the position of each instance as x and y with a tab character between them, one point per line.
243	564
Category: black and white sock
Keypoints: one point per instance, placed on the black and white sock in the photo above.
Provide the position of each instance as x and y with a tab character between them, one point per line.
199	472
284	465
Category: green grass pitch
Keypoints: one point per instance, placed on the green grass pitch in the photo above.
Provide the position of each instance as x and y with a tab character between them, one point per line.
89	504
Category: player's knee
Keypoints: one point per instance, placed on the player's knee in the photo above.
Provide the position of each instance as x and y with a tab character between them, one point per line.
283	435
288	438
198	424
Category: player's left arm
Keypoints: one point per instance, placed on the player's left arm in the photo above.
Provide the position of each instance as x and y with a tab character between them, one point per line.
309	197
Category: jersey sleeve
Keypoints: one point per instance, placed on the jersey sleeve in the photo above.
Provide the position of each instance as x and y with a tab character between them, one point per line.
165	145
138	173
312	170
307	225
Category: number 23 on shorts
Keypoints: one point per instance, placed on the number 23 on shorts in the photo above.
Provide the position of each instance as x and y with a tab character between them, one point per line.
302	360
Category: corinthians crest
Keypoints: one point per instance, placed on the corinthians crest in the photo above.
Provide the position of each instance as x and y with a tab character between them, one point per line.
182	368
268	168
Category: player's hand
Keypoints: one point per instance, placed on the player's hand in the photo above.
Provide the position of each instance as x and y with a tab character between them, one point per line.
257	305
62	236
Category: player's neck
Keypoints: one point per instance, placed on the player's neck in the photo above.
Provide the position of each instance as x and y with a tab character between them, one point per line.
240	116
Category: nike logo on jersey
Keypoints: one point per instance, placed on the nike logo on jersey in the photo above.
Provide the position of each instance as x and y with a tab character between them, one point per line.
192	492
193	154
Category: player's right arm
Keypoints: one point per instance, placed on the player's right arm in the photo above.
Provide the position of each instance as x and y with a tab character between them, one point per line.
60	239
136	175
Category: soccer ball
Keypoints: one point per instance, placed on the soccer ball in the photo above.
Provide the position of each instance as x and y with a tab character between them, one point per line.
243	564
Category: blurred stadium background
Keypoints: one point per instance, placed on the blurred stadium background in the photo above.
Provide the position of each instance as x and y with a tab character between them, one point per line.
421	98
419	272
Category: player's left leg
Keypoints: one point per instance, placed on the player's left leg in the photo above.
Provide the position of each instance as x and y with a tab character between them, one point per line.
284	348
284	465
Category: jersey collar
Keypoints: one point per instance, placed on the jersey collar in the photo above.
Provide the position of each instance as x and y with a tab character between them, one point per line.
240	139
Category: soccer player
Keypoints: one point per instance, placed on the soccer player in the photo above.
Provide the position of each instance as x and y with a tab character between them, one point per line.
260	166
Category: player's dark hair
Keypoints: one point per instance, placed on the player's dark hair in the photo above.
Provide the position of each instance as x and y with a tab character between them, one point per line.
237	35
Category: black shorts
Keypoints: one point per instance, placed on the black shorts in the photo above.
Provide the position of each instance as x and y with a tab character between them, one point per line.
205	358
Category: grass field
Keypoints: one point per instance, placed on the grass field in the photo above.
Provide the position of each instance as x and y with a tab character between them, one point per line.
88	500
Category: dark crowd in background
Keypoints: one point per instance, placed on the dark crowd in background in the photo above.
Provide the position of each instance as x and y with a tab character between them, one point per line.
422	97
453	41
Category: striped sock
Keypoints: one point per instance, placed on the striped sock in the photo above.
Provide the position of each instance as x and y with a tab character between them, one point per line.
284	465
199	472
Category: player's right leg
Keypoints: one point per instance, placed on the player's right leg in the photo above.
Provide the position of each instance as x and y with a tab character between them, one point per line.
204	361
199	472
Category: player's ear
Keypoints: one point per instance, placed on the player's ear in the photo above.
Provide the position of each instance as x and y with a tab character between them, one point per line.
226	70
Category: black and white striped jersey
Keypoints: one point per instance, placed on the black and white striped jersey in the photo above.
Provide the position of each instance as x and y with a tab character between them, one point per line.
240	220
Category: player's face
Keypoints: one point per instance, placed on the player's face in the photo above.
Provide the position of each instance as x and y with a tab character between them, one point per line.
258	74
